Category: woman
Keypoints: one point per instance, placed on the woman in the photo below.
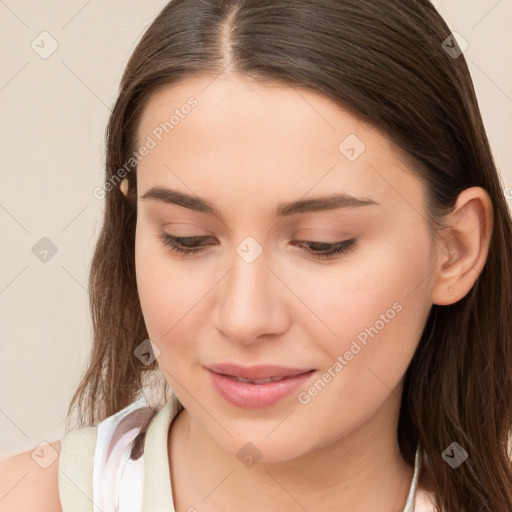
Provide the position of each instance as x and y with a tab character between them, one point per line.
305	236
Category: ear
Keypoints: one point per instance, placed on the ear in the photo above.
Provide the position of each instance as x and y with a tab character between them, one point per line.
464	246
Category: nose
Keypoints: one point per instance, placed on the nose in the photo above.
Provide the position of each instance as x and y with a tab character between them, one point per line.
251	303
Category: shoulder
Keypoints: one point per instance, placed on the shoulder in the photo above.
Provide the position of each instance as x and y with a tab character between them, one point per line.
30	480
45	478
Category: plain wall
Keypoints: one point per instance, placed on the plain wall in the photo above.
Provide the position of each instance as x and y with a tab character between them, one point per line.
54	112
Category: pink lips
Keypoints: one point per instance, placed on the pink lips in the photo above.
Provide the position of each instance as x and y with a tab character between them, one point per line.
253	395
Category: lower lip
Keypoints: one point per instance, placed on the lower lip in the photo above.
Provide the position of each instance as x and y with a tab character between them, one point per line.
256	396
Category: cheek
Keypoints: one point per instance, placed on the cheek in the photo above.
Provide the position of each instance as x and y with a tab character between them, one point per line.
173	299
376	313
159	286
374	286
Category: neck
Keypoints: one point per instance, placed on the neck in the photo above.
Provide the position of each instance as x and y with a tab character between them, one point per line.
363	471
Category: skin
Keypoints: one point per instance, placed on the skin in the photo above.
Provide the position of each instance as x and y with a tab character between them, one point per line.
245	148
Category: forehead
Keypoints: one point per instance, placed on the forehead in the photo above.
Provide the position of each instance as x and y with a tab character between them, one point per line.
210	135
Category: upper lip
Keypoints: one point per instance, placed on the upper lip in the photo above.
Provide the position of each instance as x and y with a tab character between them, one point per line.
256	372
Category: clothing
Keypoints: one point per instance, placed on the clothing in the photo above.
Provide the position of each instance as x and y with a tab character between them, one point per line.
122	464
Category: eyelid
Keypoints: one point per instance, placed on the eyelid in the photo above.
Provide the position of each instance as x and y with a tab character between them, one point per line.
187	225
314	233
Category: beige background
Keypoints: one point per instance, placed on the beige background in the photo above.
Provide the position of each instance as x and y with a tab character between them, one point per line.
54	113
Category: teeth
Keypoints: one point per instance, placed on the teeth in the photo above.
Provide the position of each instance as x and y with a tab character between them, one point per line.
258	381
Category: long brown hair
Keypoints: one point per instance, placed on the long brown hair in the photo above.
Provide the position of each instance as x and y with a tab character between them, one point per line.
388	64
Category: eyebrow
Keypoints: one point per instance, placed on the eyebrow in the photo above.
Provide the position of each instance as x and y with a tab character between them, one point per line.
283	209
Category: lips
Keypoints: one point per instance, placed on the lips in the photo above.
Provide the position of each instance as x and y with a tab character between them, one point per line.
258	372
257	387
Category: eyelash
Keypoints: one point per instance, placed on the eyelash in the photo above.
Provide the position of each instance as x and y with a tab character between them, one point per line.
334	248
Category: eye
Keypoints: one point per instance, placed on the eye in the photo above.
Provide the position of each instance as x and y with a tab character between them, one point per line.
195	244
184	245
327	250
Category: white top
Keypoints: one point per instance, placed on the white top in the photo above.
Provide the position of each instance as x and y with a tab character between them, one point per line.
122	464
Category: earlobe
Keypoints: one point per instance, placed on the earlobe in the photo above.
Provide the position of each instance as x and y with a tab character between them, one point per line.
123	186
465	246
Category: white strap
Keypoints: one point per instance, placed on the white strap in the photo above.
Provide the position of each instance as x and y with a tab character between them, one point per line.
411	498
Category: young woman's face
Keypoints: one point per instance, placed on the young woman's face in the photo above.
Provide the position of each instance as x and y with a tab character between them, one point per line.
262	290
